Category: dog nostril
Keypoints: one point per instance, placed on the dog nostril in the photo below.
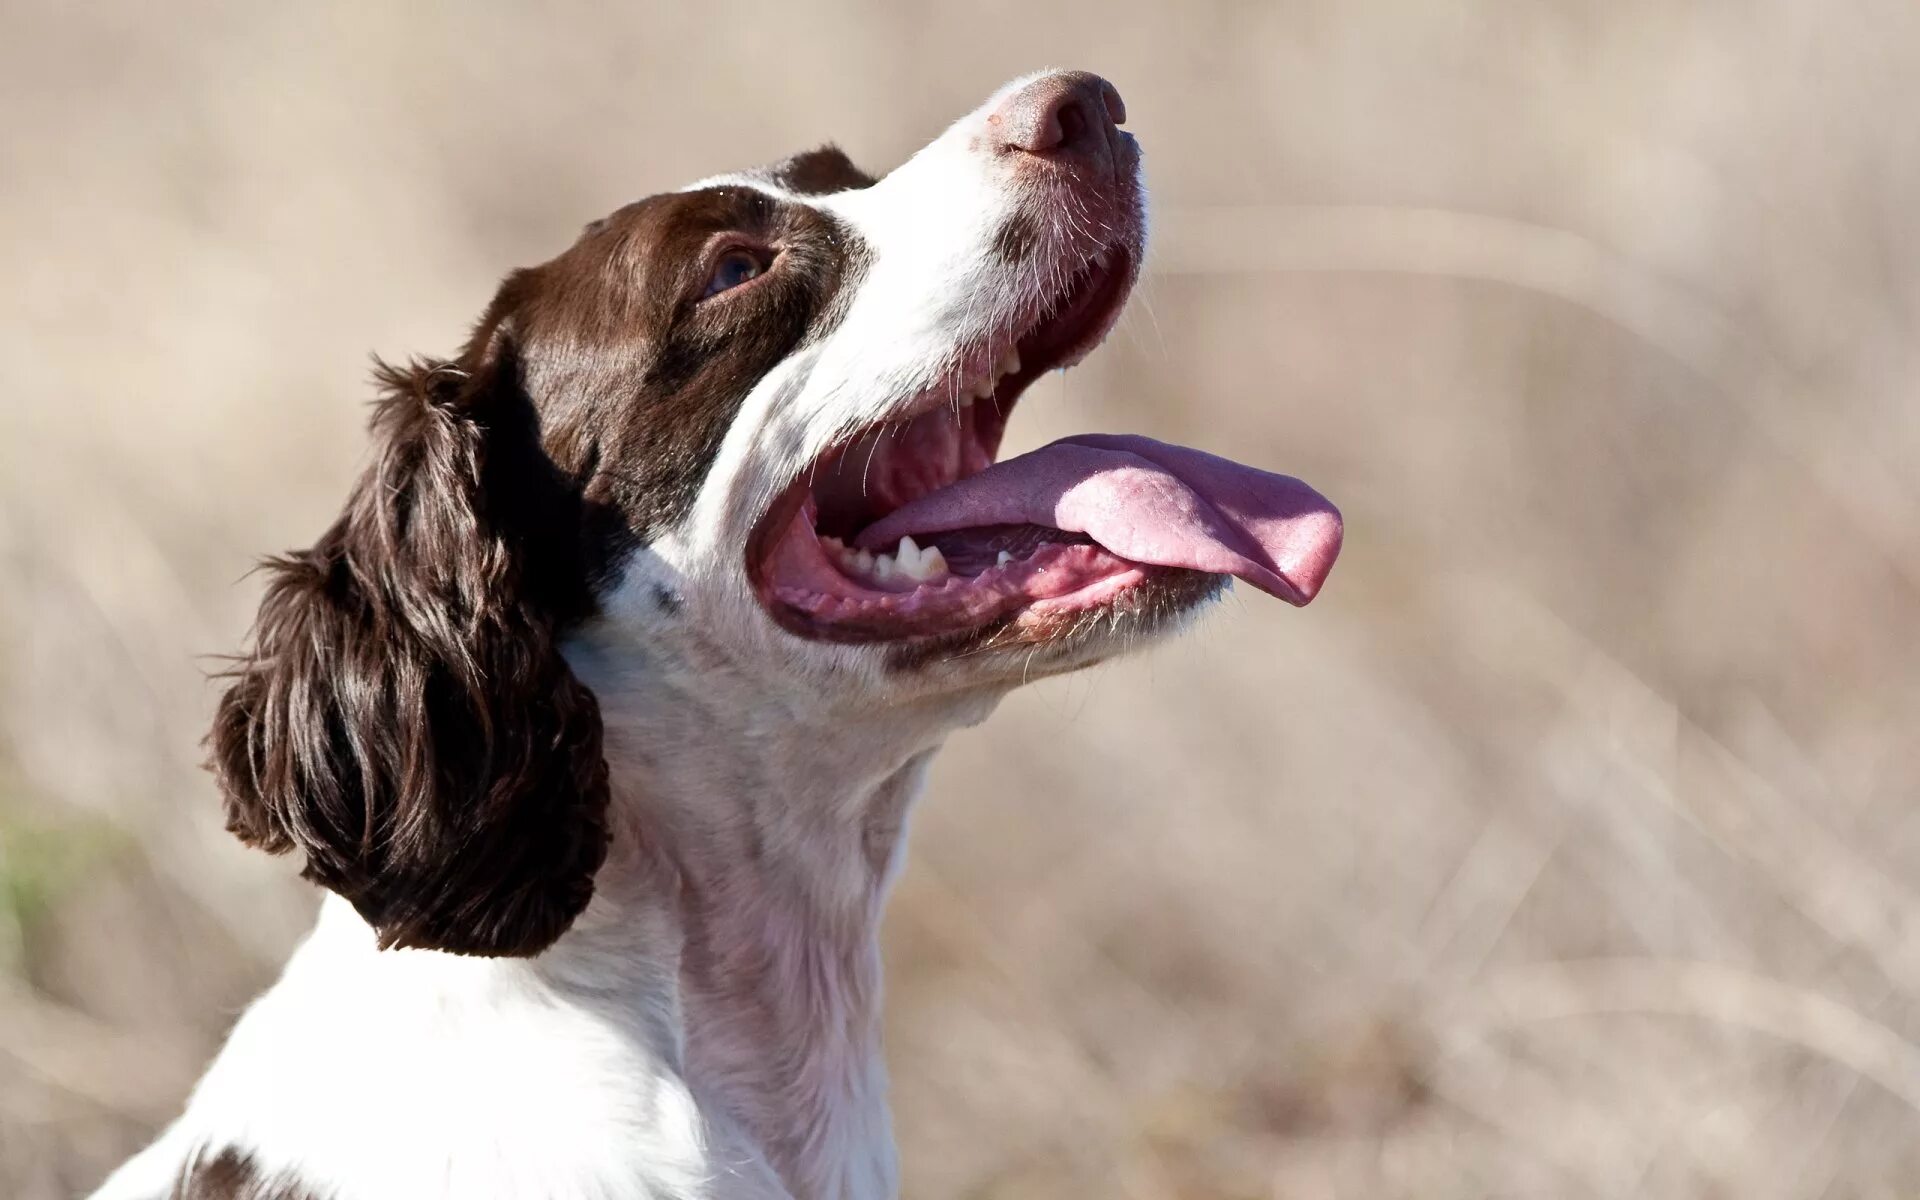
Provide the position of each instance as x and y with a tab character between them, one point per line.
1072	123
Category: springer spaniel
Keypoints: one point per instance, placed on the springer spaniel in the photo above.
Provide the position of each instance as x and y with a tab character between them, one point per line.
600	708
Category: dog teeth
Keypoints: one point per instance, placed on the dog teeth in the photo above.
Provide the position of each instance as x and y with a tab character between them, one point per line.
1100	260
911	562
984	387
907	562
1002	559
860	561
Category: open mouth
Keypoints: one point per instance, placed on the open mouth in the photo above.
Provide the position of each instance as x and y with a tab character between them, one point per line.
912	529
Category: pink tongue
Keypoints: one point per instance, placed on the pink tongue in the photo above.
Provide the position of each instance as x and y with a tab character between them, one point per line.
1148	502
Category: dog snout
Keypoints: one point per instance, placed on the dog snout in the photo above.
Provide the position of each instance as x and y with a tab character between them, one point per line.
1065	117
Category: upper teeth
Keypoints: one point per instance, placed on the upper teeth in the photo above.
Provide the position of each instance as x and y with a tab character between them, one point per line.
984	387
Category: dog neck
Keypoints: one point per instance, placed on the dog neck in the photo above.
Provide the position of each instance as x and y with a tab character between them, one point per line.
765	836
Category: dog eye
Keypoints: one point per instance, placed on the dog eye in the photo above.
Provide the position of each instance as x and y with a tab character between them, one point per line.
735	268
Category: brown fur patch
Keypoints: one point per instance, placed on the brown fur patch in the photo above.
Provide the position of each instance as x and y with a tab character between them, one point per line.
1016	239
232	1175
404	718
636	378
820	172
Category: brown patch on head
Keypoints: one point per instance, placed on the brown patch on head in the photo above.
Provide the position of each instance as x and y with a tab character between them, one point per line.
1016	239
232	1175
405	719
636	375
819	172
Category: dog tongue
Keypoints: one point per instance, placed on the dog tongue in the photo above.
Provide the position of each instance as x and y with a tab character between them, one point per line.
1148	502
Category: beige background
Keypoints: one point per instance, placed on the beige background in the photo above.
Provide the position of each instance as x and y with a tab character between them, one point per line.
1565	847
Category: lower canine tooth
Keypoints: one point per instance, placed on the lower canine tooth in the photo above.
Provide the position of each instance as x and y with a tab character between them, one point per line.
1003	559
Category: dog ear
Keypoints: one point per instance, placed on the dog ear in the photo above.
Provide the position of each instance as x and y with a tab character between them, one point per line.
404	718
820	172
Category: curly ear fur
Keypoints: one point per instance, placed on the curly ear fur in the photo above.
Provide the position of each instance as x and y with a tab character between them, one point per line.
405	718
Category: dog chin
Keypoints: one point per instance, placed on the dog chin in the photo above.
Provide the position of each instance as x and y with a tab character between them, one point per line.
1032	646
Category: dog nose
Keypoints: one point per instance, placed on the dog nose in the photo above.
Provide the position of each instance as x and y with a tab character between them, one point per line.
1068	114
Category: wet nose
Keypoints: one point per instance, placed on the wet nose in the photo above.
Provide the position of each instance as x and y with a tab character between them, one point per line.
1065	115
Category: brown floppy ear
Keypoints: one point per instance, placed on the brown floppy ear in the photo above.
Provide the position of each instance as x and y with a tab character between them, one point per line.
405	718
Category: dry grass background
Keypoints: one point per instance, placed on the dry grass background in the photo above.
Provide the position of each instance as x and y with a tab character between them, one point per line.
1566	847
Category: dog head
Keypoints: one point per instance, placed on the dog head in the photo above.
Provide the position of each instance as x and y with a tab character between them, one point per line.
752	424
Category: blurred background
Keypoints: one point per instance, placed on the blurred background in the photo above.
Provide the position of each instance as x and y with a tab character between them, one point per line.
1566	847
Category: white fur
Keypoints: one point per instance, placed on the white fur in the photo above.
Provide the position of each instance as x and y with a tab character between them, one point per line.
710	1026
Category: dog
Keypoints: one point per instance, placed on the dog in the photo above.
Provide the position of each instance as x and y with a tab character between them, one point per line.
600	710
